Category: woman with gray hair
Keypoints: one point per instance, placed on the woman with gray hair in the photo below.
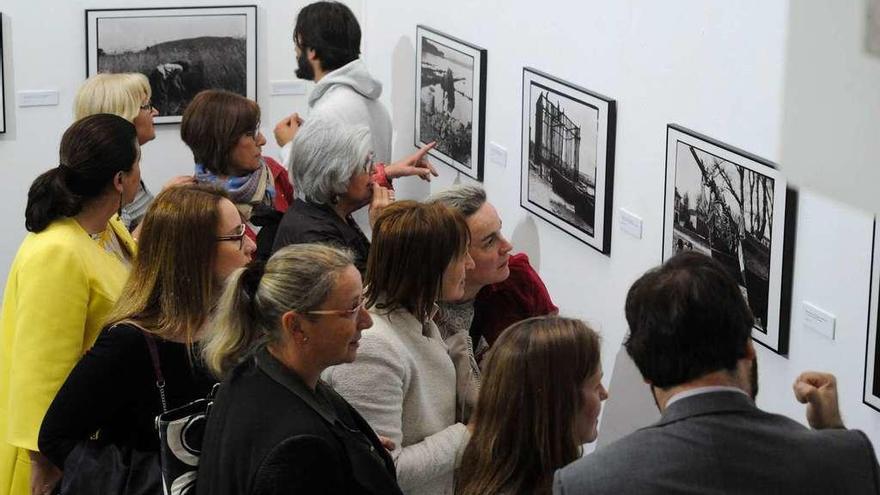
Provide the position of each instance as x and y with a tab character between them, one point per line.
333	169
275	427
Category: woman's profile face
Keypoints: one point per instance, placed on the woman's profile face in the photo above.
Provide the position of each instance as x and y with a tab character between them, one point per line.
334	334
452	287
245	156
360	186
592	394
143	122
231	253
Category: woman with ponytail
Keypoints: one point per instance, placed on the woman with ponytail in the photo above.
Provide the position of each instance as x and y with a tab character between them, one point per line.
66	276
192	239
275	427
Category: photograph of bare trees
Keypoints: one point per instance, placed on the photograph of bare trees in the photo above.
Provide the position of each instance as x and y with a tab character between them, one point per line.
181	51
725	205
450	95
567	163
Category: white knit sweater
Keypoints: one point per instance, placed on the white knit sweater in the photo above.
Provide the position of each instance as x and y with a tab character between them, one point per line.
403	383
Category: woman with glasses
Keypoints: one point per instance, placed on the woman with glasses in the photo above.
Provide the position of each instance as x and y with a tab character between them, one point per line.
128	96
275	427
403	381
222	129
335	175
66	275
192	239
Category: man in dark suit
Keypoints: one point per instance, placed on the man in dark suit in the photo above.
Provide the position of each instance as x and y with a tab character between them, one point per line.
690	338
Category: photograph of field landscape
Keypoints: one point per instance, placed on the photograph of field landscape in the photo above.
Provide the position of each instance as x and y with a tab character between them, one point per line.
180	54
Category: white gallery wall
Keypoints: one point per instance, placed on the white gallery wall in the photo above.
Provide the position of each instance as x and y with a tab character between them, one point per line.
714	66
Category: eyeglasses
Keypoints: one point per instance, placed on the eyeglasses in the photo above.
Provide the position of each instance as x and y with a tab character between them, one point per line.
148	105
254	133
237	236
350	314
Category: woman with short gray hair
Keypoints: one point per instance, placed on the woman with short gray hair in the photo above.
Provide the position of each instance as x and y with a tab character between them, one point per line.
333	169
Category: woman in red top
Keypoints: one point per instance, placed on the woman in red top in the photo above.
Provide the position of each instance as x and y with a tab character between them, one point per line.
223	131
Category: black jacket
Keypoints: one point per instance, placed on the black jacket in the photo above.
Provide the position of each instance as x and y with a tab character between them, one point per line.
113	390
305	222
268	433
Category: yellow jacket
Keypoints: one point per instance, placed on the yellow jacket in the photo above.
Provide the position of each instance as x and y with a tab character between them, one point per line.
61	286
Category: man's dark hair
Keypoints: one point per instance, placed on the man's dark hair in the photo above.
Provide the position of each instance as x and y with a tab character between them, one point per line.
330	29
686	318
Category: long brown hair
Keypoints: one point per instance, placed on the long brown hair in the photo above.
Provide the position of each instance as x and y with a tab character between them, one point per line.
529	401
171	287
413	243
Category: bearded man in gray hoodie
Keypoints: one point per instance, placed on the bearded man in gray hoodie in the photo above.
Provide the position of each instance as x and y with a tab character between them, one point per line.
327	38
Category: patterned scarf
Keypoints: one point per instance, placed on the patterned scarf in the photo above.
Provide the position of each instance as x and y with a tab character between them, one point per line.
248	191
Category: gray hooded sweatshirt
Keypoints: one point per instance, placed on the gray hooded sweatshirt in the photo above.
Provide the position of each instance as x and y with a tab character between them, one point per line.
351	95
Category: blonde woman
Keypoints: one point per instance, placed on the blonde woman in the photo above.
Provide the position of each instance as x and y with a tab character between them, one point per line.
192	240
128	96
275	427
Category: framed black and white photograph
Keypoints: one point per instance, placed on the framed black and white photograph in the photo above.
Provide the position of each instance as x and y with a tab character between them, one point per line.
738	209
567	157
451	100
871	394
872	28
181	51
2	83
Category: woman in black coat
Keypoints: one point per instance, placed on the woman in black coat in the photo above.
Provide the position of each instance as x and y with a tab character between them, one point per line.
275	427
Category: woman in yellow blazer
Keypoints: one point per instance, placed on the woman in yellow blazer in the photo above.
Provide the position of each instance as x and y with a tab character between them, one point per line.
65	278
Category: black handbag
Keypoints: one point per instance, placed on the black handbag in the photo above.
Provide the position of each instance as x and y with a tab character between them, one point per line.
98	467
181	431
95	468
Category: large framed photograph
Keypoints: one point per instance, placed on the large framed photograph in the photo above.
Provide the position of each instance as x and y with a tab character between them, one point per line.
737	208
181	51
871	393
2	82
567	157
451	100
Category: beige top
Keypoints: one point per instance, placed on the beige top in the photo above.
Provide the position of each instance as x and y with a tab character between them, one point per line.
403	382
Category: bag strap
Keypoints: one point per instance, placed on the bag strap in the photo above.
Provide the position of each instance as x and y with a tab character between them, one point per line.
157	368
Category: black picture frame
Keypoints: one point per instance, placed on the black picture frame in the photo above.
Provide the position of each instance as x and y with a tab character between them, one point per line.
871	389
181	50
555	183
450	100
2	82
737	208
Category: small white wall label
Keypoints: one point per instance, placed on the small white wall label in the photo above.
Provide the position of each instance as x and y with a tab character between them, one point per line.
38	98
819	320
280	88
630	223
497	154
